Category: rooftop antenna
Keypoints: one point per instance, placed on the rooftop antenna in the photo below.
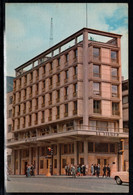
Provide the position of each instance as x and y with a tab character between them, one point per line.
51	33
86	17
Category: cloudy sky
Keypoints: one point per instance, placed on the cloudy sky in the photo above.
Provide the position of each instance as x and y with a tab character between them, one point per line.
27	27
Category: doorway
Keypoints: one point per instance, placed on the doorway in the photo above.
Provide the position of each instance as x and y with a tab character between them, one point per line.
102	161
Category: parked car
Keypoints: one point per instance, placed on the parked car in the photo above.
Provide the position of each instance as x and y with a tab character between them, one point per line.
121	177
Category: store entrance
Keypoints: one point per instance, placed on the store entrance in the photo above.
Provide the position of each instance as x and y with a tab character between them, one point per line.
102	161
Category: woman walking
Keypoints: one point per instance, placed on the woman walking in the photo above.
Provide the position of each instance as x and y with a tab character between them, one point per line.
92	169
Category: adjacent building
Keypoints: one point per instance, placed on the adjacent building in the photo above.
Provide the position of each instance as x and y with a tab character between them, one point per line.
69	98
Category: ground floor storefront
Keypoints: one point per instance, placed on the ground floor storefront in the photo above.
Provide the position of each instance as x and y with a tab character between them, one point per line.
84	151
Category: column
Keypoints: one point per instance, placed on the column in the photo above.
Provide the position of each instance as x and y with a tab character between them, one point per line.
86	152
19	163
85	78
12	162
75	153
37	160
58	159
30	155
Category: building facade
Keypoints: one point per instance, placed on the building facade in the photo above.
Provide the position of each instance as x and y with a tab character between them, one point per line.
125	107
69	98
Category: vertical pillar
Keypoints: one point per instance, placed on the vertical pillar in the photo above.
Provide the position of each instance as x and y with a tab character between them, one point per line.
12	162
37	160
86	152
85	78
58	159
75	153
19	163
30	155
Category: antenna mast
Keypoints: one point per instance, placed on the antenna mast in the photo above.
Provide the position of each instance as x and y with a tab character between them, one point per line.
51	33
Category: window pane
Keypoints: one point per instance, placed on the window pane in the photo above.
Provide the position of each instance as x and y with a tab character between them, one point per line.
114	90
96	106
101	147
115	108
96	52
114	73
125	99
113	56
96	71
96	88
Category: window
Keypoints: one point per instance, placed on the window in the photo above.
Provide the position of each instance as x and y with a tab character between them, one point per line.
114	91
50	81
101	147
125	126
41	164
96	53
82	161
66	108
75	70
67	57
44	99
10	113
55	163
96	88
125	99
90	146
66	91
124	86
50	96
66	74
9	128
58	61
75	107
81	147
113	56
75	53
112	148
75	88
114	73
96	71
58	110
44	69
51	66
10	99
115	108
63	163
96	106
65	148
31	75
58	94
50	112
98	161
58	78
72	161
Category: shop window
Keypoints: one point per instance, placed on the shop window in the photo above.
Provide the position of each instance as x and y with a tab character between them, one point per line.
55	163
97	106
90	146
72	161
112	148
41	164
101	147
63	163
82	161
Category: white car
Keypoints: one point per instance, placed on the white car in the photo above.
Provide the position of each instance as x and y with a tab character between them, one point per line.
121	177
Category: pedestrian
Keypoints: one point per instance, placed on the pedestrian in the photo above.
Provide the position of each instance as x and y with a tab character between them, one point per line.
8	172
73	172
28	170
92	169
98	170
78	170
104	171
95	169
108	171
32	170
66	169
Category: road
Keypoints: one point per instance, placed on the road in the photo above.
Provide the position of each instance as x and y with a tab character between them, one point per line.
65	184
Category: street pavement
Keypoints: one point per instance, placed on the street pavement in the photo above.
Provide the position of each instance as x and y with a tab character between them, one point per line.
65	184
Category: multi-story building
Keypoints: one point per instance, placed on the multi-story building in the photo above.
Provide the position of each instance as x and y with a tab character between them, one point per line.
125	107
9	98
69	98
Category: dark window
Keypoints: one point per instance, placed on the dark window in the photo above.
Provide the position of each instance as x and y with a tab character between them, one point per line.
9	128
82	161
90	146
75	53
58	110
66	73
112	148
75	105
113	56
75	70
96	71
58	77
10	99
41	164
58	61
58	94
44	69
96	106
125	126
72	161
65	149
101	147
66	108
125	99
66	91
96	53
67	57
55	163
72	148
124	86
75	88
63	163
51	81
115	108
50	96
98	161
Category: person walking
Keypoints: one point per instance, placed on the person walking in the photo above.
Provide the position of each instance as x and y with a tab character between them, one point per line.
32	170
78	170
98	170
28	170
66	169
108	171
73	171
104	171
92	170
95	169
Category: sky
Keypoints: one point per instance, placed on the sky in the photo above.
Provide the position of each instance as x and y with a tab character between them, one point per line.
27	27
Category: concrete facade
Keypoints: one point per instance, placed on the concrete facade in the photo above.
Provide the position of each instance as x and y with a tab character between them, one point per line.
71	100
